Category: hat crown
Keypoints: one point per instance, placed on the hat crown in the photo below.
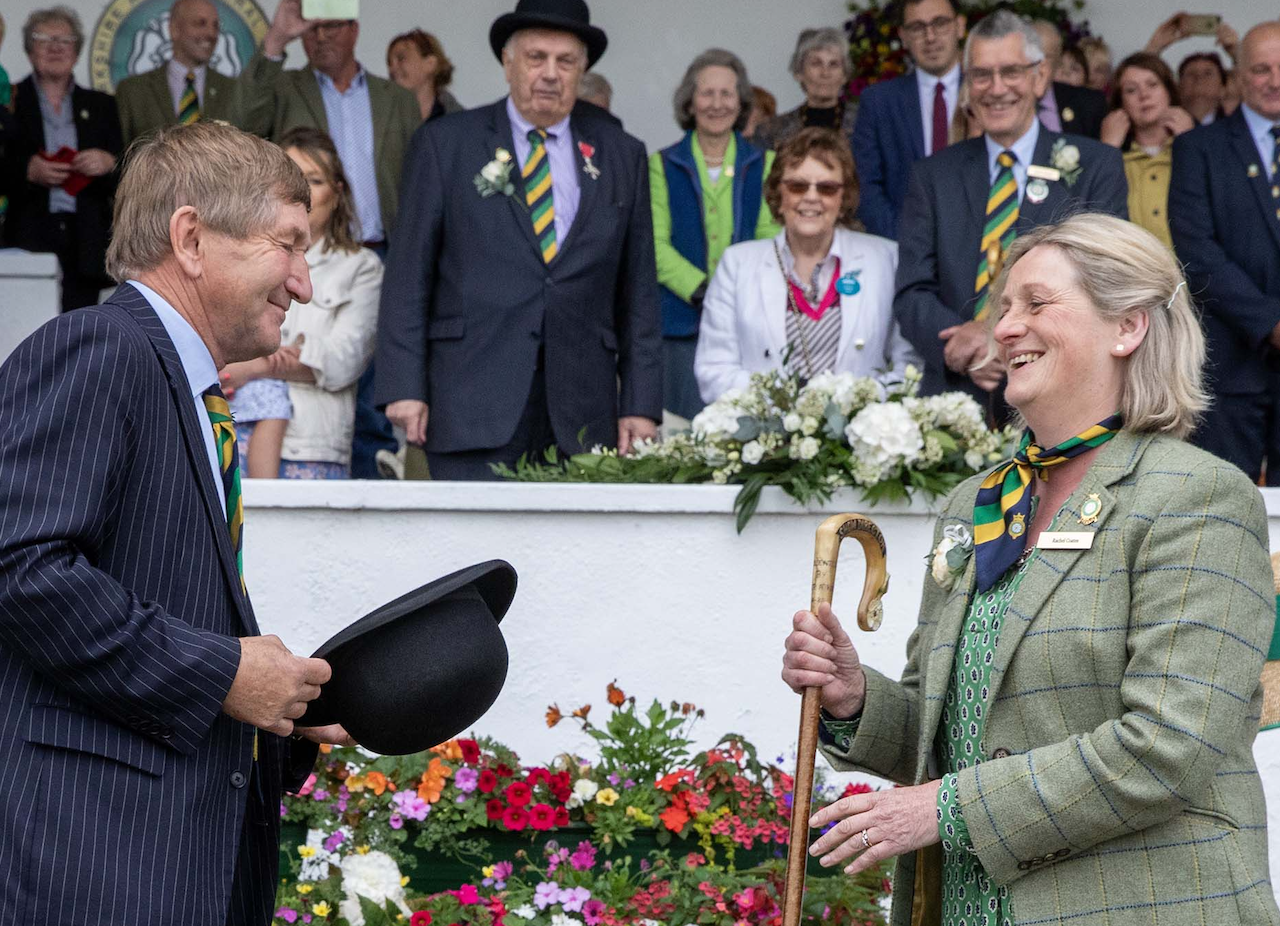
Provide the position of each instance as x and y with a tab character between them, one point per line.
567	9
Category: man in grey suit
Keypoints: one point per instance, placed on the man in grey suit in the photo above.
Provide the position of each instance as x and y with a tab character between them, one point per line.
185	88
967	204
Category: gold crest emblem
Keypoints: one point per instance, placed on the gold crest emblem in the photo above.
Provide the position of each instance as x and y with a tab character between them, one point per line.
1253	170
1068	114
1018	526
1091	508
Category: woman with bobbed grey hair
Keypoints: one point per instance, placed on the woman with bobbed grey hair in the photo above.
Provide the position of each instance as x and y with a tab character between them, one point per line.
706	194
820	64
1074	727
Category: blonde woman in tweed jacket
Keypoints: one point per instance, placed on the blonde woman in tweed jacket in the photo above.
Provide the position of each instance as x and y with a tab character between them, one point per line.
1075	722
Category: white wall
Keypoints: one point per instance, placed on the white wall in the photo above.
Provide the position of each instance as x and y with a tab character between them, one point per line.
651	42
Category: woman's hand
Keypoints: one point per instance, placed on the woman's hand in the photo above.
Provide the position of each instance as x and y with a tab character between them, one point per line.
93	162
895	821
819	654
235	375
1177	120
1115	127
1171	30
47	173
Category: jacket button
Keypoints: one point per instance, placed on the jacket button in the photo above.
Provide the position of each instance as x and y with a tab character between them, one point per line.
550	281
237	779
1024	866
1000	753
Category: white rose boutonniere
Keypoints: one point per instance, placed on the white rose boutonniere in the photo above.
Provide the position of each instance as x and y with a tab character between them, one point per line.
495	177
1066	158
948	559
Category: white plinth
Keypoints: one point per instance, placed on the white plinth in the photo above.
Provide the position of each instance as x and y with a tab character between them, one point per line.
29	295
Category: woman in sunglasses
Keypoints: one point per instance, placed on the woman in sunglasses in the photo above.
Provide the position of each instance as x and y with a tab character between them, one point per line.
817	297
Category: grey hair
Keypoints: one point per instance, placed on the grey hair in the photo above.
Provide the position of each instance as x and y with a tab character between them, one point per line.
999	25
813	39
509	46
682	101
1122	268
593	84
38	18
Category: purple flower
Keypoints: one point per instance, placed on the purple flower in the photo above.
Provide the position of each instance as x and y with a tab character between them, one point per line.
342	805
593	912
584	857
334	840
573	899
343	792
502	871
614	778
629	783
396	821
320	795
410	805
644	864
465	778
283	810
288	914
545	894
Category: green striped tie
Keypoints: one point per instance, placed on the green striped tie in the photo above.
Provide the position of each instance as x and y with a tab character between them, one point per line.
537	194
188	103
1002	213
224	438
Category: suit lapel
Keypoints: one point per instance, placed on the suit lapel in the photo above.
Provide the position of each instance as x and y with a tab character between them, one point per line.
977	184
851	258
157	83
911	112
500	137
308	86
1247	150
1116	459
380	105
215	85
773	301
136	304
586	184
1033	215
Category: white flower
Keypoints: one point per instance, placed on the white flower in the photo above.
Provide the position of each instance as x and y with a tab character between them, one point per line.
375	876
752	452
792	422
1068	158
494	172
527	912
563	919
885	436
809	425
316	866
939	568
973	459
809	448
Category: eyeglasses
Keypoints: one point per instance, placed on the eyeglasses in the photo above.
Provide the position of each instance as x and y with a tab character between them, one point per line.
981	78
917	29
63	41
826	188
330	26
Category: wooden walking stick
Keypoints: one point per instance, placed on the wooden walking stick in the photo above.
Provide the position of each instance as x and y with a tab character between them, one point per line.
826	549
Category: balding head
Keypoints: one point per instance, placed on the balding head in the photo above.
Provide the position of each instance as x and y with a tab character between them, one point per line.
1050	41
193	28
1259	70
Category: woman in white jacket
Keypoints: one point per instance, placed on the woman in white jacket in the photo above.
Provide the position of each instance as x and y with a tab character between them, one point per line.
816	297
327	343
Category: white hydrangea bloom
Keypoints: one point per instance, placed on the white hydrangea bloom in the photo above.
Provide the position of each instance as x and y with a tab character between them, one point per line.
884	437
374	875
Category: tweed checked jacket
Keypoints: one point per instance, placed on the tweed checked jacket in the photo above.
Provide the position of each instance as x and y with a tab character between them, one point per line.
1119	784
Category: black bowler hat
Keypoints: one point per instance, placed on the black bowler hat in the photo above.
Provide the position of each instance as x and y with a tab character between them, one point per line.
562	15
421	669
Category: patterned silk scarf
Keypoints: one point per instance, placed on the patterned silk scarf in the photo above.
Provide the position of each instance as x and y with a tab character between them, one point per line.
1003	505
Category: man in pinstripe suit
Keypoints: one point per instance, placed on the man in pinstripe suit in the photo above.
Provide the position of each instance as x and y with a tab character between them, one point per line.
142	716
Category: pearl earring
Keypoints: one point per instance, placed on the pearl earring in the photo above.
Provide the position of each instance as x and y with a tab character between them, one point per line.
1119	348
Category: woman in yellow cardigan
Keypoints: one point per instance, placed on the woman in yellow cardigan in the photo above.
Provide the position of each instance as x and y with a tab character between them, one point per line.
1145	119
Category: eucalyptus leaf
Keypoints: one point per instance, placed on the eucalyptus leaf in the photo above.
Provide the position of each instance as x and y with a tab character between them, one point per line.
748	429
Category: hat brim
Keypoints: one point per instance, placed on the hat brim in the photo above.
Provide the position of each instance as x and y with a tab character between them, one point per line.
508	24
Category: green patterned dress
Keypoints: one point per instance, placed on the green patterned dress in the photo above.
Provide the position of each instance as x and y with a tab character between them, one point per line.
968	896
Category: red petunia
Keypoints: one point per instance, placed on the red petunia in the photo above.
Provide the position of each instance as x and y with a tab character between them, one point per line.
562	816
542	817
494	808
504	770
518	794
515	818
470	751
535	775
420	918
487	781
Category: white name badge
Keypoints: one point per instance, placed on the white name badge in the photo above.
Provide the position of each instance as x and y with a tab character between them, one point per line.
1043	173
1065	540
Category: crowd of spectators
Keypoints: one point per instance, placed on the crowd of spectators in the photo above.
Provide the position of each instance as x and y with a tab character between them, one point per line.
857	233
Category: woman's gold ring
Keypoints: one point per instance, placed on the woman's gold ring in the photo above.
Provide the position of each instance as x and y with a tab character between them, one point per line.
866	843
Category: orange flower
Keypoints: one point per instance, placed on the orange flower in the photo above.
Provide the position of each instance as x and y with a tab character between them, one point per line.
432	783
553	715
616	696
583	711
376	782
450	750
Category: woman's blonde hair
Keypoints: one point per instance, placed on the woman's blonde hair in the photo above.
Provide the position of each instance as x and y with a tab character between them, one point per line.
1122	268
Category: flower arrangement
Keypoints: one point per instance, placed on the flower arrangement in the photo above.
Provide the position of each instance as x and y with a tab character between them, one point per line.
810	439
877	53
557	845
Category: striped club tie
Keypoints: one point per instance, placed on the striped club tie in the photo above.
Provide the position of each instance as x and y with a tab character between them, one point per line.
224	438
188	103
1002	213
537	194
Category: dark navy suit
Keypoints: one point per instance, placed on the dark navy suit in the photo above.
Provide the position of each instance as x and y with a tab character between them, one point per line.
887	139
126	796
1226	232
942	219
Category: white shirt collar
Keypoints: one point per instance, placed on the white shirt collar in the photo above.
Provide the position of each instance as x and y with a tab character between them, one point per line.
950	80
1024	149
357	82
179	70
197	362
522	127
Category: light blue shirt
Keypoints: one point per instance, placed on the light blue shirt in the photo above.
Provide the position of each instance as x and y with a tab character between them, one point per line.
197	364
1024	150
176	74
351	127
1260	129
59	132
565	192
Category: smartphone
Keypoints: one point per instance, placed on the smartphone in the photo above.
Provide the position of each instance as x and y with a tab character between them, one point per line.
1192	23
330	9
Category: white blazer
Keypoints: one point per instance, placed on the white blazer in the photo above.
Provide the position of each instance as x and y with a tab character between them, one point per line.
744	325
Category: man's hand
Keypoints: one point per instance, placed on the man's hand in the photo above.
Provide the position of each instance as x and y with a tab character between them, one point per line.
1168	32
1229	39
411	415
965	344
93	162
47	173
332	735
272	686
1274	337
286	25
634	428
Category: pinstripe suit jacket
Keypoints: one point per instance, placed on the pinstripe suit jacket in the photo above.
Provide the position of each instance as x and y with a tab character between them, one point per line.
1119	784
124	790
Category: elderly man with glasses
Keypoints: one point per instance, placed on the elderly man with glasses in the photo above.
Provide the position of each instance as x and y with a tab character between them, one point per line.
965	206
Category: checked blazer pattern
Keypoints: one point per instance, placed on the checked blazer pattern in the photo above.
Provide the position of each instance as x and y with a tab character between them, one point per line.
126	795
1119	784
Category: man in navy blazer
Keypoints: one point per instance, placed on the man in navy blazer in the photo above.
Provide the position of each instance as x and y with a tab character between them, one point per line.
144	718
1224	218
940	249
909	117
516	332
